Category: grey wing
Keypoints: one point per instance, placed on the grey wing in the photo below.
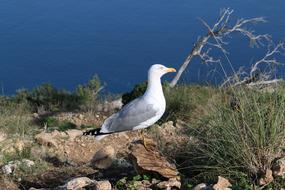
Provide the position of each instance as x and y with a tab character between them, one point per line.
132	115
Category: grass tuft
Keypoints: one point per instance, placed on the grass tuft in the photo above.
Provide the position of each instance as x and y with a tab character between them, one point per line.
241	137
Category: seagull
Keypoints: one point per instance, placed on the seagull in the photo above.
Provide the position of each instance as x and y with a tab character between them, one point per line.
140	113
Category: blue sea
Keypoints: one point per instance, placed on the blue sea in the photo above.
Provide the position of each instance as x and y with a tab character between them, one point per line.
66	42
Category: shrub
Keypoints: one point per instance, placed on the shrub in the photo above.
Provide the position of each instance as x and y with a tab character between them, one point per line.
181	101
51	99
240	141
88	91
15	119
137	91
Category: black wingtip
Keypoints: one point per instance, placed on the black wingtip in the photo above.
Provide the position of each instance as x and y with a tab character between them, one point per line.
93	132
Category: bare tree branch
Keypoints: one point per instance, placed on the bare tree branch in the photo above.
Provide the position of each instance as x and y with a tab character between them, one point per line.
255	77
219	31
268	58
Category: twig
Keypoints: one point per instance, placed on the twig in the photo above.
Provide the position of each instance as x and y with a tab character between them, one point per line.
219	31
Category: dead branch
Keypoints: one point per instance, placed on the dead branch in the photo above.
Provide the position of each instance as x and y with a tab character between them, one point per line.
255	77
268	58
220	30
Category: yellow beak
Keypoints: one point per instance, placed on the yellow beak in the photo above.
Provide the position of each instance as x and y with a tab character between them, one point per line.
170	70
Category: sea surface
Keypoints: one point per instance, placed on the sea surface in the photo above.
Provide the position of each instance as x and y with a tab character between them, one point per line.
66	42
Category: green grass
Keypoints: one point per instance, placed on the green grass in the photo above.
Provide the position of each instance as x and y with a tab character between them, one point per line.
16	120
25	153
51	124
182	101
186	102
240	137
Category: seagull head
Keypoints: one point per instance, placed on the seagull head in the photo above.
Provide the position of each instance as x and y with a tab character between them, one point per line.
159	70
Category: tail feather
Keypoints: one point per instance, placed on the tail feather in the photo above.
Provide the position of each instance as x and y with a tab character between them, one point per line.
95	132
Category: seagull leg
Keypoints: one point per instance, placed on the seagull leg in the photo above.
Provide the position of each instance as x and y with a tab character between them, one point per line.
147	142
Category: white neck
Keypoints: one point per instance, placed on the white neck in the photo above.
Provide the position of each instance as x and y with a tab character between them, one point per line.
154	86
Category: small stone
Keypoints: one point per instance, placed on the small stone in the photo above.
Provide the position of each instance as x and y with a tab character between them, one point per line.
3	136
8	168
222	184
266	178
13	165
103	158
103	185
279	167
81	116
19	145
28	163
78	183
83	145
200	186
168	185
36	115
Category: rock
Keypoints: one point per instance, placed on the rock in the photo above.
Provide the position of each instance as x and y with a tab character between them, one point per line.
3	136
151	160
36	116
266	177
103	185
201	186
279	167
103	158
28	163
81	116
168	185
19	145
8	168
79	183
222	184
171	139
47	139
13	165
8	184
73	133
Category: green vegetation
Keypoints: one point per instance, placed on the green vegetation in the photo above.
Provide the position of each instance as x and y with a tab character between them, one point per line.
25	153
235	133
48	98
238	133
134	182
239	138
51	123
181	100
15	119
137	91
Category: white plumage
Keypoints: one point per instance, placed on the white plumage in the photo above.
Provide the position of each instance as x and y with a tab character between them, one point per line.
142	112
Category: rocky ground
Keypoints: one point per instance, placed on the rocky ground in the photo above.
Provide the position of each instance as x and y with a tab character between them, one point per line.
73	161
67	160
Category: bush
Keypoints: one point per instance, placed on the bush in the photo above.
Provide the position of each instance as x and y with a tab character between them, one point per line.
15	119
240	141
51	99
137	91
181	101
87	93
